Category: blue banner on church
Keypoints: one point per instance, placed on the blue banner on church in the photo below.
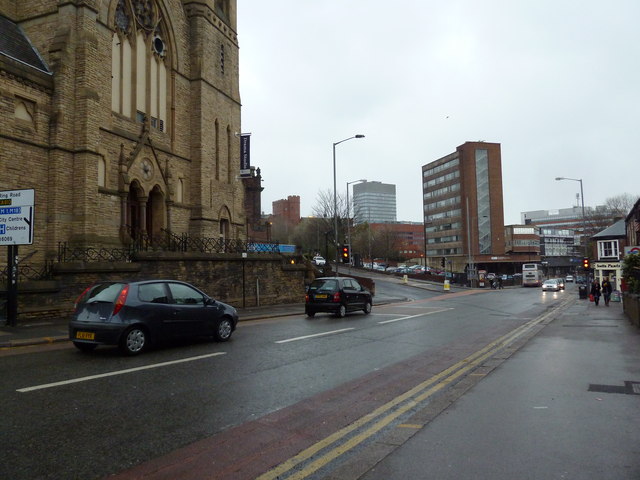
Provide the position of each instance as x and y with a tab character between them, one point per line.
245	155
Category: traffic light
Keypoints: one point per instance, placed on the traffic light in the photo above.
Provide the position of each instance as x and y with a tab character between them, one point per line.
346	254
442	261
585	263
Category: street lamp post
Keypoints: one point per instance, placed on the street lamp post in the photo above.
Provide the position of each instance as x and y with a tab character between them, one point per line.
584	218
349	220
335	197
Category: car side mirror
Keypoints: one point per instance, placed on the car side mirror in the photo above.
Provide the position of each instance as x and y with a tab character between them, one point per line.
209	301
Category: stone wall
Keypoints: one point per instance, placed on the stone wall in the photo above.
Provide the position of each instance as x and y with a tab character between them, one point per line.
258	279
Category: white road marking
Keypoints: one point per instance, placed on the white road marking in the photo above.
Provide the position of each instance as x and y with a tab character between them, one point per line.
413	316
315	335
119	372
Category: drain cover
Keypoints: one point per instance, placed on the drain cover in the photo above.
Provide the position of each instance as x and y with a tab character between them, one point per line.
629	388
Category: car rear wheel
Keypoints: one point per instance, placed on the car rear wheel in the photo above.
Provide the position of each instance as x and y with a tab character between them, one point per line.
310	314
342	311
85	347
367	307
223	330
134	341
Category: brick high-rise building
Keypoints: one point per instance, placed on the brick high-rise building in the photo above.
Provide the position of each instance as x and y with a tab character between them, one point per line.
122	115
463	209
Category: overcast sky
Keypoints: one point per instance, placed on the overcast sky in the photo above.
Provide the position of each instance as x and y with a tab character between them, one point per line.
555	82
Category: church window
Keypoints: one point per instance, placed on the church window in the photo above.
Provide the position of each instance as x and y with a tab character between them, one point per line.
24	110
222	58
222	9
102	169
180	191
217	146
140	63
229	169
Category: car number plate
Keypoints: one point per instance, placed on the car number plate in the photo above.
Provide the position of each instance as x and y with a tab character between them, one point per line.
85	335
321	295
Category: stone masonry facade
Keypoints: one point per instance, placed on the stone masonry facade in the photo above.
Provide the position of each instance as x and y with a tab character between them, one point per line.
102	177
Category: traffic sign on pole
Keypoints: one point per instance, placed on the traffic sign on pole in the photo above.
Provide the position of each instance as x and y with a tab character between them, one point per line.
16	217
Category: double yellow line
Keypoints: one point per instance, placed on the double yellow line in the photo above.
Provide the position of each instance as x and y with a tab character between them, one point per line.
343	441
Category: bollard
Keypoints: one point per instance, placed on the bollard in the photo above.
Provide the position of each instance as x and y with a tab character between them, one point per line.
446	285
405	279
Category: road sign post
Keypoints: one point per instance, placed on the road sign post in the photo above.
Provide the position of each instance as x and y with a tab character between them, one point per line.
16	228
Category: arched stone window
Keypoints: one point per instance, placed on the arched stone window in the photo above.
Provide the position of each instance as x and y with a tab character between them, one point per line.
102	176
180	191
229	147
139	63
217	146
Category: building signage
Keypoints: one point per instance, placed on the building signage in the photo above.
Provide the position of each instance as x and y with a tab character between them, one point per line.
607	265
632	250
16	217
245	155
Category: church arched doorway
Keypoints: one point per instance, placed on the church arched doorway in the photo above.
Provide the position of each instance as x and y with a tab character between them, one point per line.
136	203
146	215
155	213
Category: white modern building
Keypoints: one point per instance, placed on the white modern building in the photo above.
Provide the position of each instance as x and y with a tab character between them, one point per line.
374	202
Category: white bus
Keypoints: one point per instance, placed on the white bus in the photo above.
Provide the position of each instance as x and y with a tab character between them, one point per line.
532	275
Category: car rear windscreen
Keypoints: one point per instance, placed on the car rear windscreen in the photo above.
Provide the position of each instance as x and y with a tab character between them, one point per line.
327	285
104	292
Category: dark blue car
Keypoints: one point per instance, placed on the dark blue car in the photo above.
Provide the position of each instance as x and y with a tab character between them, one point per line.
133	315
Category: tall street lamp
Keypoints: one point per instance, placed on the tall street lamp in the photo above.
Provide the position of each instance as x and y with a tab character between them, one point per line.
349	219
335	197
584	218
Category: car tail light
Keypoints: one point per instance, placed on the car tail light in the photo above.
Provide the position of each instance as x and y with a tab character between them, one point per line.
77	302
122	298
306	298
336	297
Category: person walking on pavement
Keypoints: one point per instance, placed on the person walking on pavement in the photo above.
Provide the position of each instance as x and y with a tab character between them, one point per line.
595	291
606	290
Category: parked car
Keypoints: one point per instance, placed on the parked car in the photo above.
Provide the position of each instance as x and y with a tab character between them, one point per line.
337	295
550	285
319	261
569	279
133	315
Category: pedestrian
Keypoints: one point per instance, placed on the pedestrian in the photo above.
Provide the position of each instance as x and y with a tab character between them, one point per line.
606	290
595	291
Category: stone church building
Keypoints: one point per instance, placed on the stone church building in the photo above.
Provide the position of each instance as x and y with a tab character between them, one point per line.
124	117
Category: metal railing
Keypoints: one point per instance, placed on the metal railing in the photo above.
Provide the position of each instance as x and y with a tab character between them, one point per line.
165	241
28	272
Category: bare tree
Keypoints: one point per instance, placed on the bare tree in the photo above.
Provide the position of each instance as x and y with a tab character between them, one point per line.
620	205
324	209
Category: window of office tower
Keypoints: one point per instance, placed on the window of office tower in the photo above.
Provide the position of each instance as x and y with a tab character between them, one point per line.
484	206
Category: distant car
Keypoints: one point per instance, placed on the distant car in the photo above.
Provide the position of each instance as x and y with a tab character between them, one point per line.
319	261
561	283
551	285
133	315
337	295
569	279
